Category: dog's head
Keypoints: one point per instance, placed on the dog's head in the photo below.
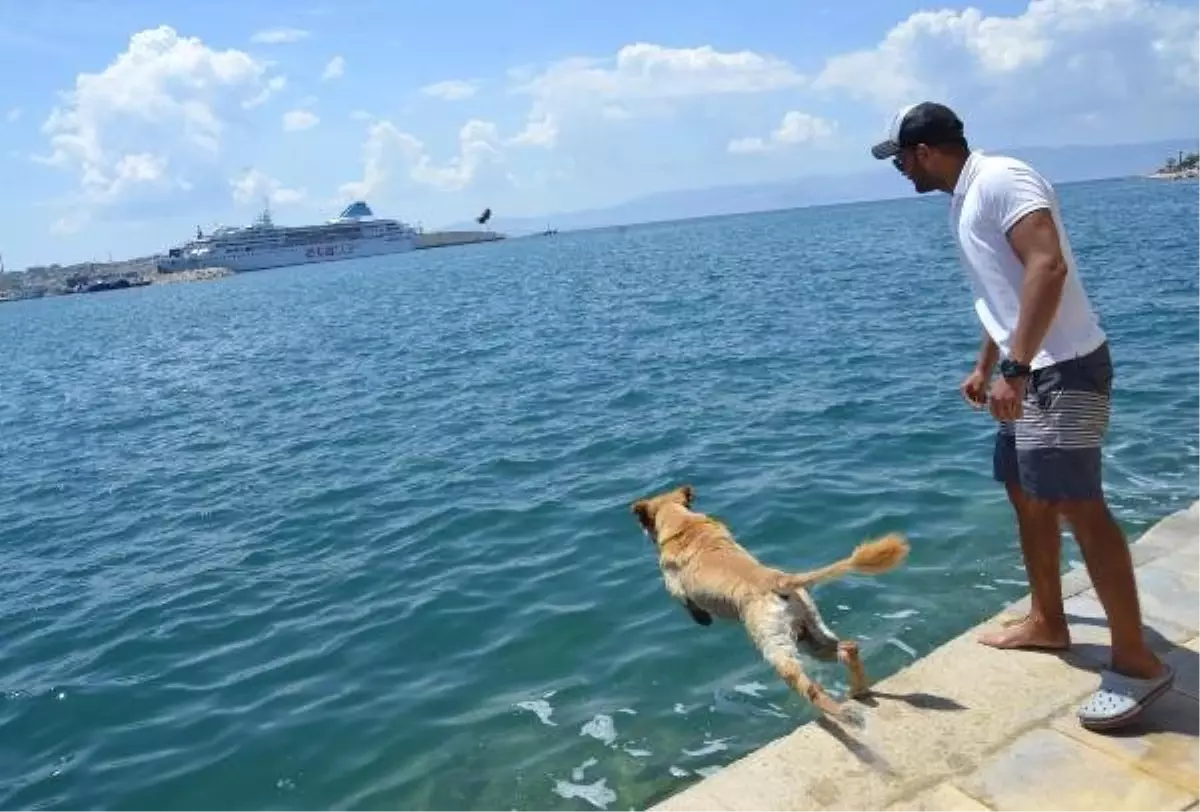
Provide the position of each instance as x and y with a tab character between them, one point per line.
646	510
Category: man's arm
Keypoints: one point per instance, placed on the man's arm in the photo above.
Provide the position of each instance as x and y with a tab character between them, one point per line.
1022	201
1034	238
988	352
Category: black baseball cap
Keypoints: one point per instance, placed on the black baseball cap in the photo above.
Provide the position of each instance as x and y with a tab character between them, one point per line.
924	123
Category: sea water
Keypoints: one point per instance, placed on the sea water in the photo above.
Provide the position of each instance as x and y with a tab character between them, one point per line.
358	534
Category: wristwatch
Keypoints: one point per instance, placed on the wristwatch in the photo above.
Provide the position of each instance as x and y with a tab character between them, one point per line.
1011	369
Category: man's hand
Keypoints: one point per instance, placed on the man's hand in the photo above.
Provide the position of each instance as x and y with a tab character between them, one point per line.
974	388
1005	398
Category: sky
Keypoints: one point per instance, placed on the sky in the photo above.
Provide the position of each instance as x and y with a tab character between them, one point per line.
124	124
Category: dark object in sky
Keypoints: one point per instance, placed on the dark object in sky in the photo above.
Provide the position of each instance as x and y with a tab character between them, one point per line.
483	218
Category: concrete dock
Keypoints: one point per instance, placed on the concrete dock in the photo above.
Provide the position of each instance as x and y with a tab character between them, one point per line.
444	239
969	727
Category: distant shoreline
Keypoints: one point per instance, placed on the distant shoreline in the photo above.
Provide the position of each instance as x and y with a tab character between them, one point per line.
74	280
1181	166
1186	174
42	281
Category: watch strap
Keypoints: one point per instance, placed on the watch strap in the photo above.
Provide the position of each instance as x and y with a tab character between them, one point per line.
1011	369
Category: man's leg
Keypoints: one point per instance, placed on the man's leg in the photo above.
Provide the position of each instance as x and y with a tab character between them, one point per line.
1041	546
1136	677
1074	417
1106	555
1058	463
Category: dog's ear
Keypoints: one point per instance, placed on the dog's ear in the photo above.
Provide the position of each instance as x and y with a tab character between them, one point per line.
641	509
689	493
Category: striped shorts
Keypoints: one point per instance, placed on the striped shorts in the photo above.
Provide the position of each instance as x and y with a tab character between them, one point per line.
1053	450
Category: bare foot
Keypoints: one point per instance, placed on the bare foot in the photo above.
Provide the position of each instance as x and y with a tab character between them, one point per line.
1028	633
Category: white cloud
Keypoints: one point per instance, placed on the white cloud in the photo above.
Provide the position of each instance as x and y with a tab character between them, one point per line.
360	115
795	128
1058	61
295	120
641	76
647	71
334	69
139	168
161	103
270	88
539	132
13	115
388	149
451	89
252	185
279	36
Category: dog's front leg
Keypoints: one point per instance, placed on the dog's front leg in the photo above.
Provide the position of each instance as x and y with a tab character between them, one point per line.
676	590
673	582
698	614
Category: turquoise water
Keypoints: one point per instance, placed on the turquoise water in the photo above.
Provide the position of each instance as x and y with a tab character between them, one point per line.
358	535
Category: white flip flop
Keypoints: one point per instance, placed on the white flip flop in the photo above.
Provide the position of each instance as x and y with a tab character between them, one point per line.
1121	699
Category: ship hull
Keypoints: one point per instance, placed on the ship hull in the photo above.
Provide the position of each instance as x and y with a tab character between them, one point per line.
259	259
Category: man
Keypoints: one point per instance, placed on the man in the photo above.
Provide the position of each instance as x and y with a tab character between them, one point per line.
1051	398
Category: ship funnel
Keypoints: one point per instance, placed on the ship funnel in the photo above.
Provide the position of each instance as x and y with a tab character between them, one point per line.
355	211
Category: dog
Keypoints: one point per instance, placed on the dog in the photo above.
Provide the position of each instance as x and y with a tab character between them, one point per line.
708	572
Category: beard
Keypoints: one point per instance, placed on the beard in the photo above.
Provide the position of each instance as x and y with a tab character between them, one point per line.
921	183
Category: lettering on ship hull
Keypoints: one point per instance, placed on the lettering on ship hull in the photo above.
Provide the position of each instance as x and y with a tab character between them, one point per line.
344	249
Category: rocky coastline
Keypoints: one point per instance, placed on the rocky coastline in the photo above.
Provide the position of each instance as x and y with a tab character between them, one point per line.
40	282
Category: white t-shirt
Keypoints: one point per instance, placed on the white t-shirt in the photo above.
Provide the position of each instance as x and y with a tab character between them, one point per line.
992	194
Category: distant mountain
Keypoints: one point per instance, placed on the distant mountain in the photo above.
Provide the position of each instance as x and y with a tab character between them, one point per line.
1060	164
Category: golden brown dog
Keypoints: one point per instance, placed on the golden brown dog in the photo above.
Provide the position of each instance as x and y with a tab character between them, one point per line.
707	571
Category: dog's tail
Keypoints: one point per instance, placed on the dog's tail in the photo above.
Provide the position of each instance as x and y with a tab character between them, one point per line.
869	558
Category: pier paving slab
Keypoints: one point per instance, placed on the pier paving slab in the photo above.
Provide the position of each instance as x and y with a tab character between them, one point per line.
1164	743
1091	640
1175	532
1072	776
942	798
971	727
1186	662
695	797
1167	592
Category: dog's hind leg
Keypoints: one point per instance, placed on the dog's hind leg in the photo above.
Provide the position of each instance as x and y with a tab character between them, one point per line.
770	627
848	656
789	669
808	627
819	640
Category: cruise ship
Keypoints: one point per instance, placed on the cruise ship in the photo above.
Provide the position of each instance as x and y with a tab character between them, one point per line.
354	233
